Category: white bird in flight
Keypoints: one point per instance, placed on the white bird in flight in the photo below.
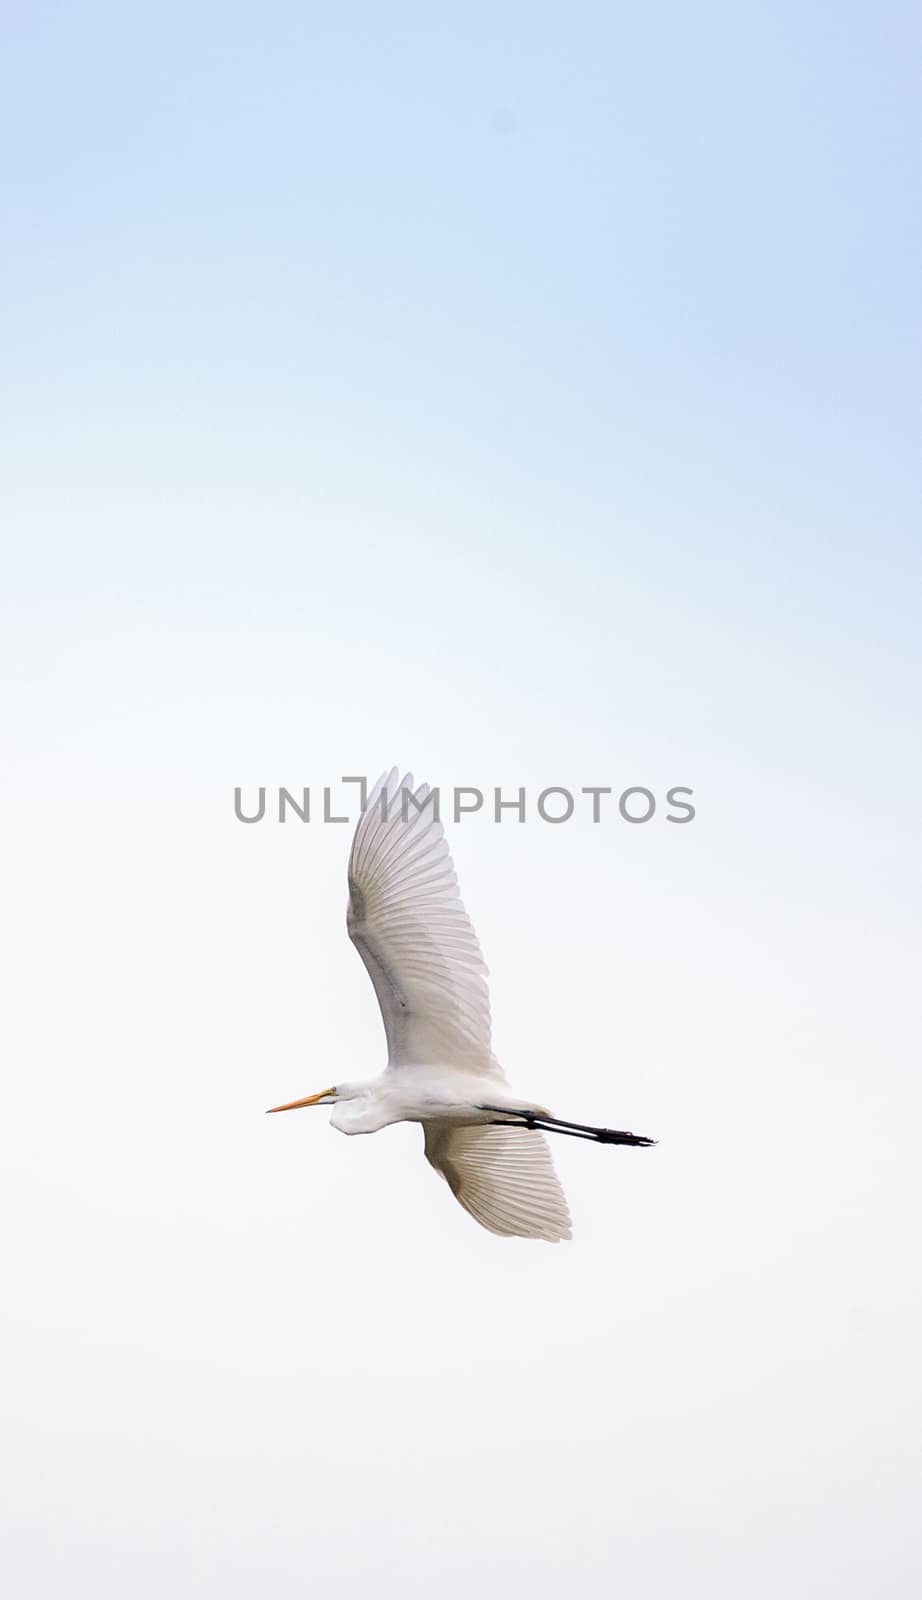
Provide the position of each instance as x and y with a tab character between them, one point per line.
406	919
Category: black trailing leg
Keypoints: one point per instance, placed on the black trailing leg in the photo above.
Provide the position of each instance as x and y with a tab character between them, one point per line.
507	1116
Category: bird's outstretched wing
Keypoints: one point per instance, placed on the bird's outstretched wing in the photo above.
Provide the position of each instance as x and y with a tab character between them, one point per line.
407	922
503	1176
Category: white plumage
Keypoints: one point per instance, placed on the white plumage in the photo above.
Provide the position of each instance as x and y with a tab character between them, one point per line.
504	1177
408	923
410	928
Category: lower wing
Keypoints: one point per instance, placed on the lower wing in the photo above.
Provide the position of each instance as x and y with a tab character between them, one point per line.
503	1176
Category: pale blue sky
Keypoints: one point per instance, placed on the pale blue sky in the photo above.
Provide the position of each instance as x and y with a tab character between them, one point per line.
628	296
530	395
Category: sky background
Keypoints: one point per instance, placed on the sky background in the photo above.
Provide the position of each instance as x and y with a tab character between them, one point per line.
527	395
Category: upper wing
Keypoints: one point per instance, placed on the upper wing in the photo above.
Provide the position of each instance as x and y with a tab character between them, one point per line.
407	922
503	1176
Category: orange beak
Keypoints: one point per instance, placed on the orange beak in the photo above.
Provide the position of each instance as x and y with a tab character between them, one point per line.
295	1105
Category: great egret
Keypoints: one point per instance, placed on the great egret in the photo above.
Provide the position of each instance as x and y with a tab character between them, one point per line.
406	919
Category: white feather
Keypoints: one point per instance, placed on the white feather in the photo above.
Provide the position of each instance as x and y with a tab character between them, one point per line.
410	928
503	1176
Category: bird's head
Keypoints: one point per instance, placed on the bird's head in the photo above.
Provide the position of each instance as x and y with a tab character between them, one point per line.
326	1097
